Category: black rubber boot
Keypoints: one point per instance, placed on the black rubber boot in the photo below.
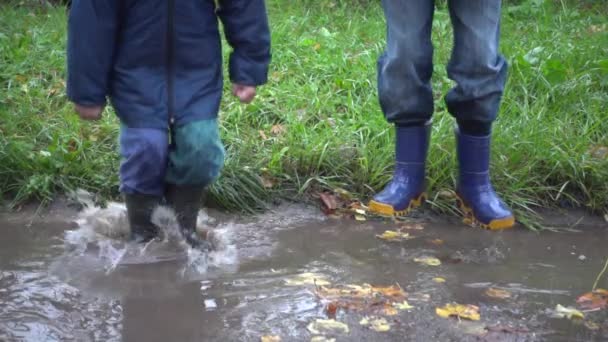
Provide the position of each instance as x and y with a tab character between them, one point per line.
185	200
139	212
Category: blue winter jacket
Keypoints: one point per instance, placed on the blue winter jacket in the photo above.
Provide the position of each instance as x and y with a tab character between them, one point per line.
160	61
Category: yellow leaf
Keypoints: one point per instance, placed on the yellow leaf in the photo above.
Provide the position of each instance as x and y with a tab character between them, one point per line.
429	261
403	306
376	323
567	312
458	310
498	293
321	326
269	338
391	235
307	279
317	47
439	280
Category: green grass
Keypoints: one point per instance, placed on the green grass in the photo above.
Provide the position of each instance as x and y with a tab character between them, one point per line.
322	91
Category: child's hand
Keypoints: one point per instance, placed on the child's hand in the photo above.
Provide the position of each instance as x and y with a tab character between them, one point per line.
89	113
243	92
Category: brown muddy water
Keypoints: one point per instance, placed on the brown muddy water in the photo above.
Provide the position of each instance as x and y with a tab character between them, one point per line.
60	280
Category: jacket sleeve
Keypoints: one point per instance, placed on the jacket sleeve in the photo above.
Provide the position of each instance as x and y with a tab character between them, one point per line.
246	28
92	30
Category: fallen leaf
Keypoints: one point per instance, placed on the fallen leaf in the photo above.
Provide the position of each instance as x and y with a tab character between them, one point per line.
439	280
331	309
321	326
436	242
322	339
329	202
278	129
594	300
393	236
267	182
360	217
366	298
498	293
403	306
429	261
263	135
458	310
317	46
271	338
307	279
567	312
376	323
447	194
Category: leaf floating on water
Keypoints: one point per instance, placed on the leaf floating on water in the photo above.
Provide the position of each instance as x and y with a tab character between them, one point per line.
439	280
595	300
322	339
429	261
271	338
498	293
567	312
436	242
307	279
366	298
403	306
322	326
458	310
376	323
393	236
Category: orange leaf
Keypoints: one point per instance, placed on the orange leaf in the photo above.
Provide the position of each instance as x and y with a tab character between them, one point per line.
595	300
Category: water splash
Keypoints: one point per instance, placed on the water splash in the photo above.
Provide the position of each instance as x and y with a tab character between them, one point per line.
103	233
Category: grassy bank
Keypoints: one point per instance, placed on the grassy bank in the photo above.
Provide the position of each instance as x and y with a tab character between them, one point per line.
317	123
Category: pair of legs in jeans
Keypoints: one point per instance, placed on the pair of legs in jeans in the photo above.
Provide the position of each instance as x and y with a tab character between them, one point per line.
172	167
406	98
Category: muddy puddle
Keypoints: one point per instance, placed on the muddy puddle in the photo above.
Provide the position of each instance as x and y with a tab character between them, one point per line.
60	280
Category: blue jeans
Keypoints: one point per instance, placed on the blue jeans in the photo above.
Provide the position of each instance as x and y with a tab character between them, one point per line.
192	154
476	66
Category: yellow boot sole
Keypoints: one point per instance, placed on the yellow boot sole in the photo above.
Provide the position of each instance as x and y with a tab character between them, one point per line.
471	220
388	210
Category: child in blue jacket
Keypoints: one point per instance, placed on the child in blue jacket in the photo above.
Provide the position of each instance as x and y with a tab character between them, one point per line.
159	62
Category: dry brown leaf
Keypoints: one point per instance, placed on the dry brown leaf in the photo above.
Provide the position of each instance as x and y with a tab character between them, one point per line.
436	242
364	298
458	310
263	135
329	201
498	293
595	300
271	338
267	182
278	129
429	261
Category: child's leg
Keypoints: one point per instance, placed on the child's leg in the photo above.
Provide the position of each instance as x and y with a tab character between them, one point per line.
142	173
196	158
